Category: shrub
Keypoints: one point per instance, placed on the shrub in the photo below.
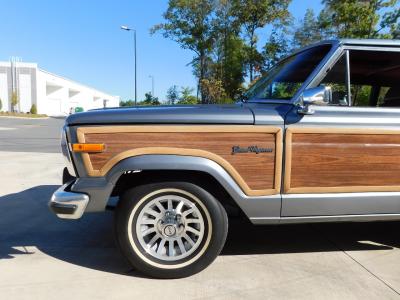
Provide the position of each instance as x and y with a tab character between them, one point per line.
33	109
14	101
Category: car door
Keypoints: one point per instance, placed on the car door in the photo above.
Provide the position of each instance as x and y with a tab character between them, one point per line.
343	159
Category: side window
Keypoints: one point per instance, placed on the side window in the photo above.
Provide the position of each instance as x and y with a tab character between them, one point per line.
374	79
336	79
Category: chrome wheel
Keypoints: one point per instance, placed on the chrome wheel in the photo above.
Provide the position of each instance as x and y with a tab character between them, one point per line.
170	227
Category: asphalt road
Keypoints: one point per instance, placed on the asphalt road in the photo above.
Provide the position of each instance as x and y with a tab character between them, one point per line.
30	135
43	257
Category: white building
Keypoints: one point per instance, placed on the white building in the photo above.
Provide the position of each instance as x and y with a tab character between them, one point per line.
53	95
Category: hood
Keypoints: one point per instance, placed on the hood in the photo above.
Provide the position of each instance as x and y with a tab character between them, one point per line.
240	113
198	114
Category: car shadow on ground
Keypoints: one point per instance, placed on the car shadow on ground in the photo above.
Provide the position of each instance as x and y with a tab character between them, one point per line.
27	226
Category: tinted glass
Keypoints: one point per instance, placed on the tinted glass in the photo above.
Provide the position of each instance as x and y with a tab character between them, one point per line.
336	79
374	79
285	79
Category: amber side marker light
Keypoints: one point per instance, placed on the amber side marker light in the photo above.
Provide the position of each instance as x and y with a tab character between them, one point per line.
88	147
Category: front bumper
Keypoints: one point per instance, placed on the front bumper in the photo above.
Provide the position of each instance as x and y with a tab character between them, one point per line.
68	205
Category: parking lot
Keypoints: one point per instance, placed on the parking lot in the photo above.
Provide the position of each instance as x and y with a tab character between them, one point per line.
42	256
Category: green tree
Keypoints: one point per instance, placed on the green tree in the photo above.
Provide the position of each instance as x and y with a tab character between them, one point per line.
349	19
172	95
213	91
126	103
149	99
255	14
309	30
360	19
229	50
1	105
233	66
390	20
14	101
187	96
189	22
276	48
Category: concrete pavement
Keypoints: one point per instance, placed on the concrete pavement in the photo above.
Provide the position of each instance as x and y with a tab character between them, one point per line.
43	257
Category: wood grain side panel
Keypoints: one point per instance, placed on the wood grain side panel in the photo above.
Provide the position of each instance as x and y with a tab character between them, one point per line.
257	174
256	169
342	161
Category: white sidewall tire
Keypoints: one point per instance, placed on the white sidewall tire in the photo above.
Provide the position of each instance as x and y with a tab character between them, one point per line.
129	208
149	261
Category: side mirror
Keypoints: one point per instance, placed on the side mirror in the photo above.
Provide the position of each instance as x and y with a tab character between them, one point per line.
241	97
319	95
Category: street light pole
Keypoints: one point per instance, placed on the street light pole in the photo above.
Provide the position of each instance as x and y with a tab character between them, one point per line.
134	42
152	84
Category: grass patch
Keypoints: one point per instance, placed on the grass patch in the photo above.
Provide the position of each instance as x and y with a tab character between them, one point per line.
21	115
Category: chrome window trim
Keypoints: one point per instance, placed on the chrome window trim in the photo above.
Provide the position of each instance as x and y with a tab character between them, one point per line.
338	48
330	62
270	101
372	48
317	70
345	49
335	45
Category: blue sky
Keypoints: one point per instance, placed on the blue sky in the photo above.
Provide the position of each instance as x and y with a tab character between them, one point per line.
81	40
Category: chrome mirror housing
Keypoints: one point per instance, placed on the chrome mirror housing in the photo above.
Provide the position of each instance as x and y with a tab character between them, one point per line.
320	95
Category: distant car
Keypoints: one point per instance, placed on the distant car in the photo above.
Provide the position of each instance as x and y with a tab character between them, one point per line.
318	140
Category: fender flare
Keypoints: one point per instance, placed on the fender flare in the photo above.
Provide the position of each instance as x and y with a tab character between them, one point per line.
253	206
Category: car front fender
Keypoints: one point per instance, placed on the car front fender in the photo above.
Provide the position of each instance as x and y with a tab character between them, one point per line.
100	188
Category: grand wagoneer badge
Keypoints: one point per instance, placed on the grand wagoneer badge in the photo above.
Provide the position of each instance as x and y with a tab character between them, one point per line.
254	149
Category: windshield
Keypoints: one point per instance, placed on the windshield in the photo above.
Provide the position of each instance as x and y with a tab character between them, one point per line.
284	79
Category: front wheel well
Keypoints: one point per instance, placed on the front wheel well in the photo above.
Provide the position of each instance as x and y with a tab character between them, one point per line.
202	179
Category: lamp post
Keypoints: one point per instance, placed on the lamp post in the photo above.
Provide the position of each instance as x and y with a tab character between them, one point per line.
126	28
152	84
